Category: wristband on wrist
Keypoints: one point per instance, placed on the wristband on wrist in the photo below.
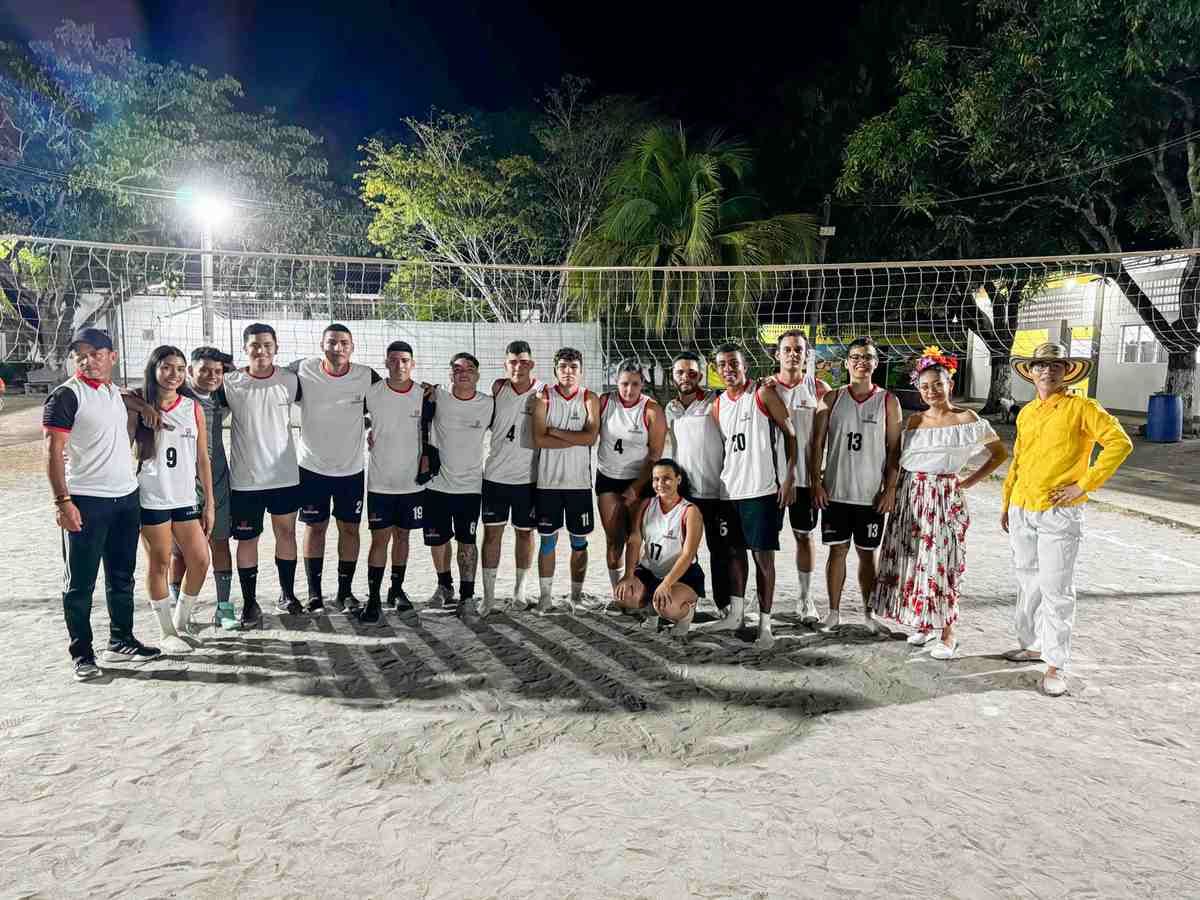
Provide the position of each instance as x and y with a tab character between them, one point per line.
60	500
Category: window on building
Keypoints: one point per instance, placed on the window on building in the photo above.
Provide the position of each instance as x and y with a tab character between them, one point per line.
1139	346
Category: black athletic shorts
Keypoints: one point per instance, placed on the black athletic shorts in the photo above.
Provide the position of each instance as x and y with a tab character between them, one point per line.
405	511
162	516
752	524
572	507
802	513
247	508
693	578
450	515
606	485
842	521
316	490
500	501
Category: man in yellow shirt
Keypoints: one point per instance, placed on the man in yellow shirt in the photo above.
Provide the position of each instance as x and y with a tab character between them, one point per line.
1047	485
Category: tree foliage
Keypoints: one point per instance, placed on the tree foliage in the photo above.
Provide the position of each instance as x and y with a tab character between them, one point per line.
1055	96
674	205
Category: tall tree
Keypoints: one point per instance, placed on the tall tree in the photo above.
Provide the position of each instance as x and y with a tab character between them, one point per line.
97	142
672	204
1054	95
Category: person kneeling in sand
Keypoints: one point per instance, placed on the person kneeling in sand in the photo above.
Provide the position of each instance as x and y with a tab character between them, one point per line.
661	553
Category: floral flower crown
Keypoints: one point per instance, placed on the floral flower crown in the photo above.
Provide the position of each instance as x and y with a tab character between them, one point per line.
933	356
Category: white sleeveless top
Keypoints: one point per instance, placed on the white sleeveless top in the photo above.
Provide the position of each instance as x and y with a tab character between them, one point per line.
168	481
624	436
512	458
800	400
856	447
697	444
663	535
749	469
571	467
944	451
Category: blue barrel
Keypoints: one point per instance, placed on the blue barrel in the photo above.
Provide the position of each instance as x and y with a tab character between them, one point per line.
1164	418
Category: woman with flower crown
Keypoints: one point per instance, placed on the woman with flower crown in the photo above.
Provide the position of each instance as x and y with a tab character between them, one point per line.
923	557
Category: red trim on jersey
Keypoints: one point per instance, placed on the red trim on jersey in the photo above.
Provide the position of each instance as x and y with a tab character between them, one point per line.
90	382
325	368
603	403
397	390
274	368
779	380
629	405
178	400
758	401
820	388
533	383
196	410
57	428
474	394
558	387
646	418
874	391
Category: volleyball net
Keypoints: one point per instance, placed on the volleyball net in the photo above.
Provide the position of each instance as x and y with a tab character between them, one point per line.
986	309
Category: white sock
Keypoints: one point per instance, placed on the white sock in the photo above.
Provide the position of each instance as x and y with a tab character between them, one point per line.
183	612
162	609
805	581
576	591
764	623
614	575
519	586
546	588
489	584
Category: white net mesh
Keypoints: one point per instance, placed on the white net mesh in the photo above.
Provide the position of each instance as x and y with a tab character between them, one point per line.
146	296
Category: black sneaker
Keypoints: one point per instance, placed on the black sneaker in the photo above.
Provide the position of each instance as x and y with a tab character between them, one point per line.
338	605
350	604
391	597
316	605
130	651
251	613
86	669
370	615
288	606
402	603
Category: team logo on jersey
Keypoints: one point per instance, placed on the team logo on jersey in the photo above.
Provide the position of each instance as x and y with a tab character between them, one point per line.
636	429
575	416
671	534
476	424
872	419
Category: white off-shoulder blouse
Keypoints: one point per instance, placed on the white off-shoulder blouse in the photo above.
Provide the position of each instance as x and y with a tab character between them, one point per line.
945	450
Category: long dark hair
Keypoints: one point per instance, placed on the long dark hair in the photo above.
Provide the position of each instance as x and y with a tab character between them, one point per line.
143	437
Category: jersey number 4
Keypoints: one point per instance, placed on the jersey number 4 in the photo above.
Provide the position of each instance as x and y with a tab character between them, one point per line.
512	434
854	440
618	446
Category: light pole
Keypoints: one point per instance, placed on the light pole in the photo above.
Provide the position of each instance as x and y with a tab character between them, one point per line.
211	210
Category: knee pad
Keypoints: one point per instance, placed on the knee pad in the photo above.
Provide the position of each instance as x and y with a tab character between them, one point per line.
549	542
578	542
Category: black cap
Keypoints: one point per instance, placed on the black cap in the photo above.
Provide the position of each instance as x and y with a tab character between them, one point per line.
97	337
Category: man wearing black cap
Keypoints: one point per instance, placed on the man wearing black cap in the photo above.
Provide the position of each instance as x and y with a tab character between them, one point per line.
90	468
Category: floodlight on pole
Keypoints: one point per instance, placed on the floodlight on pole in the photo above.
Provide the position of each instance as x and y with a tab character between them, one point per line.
211	209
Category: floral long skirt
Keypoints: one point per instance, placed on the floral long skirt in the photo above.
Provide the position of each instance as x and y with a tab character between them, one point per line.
924	554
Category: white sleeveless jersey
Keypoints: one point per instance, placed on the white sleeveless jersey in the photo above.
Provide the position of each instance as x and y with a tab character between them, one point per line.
856	447
696	444
624	436
512	458
457	431
396	435
800	400
750	467
663	536
168	481
571	467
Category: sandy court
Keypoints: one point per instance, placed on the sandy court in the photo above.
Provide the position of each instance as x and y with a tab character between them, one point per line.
581	756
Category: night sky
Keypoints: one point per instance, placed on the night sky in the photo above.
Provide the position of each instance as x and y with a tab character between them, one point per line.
350	69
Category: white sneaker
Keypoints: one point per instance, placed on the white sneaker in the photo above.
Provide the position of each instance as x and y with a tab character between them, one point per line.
944	650
875	626
680	628
765	640
921	638
832	620
545	605
484	607
174	645
1054	685
809	615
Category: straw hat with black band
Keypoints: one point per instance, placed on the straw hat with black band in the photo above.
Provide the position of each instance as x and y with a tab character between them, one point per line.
1078	368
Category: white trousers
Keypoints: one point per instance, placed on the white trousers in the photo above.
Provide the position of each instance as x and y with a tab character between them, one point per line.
1045	546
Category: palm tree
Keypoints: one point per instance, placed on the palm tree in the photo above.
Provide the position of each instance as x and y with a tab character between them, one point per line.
669	207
